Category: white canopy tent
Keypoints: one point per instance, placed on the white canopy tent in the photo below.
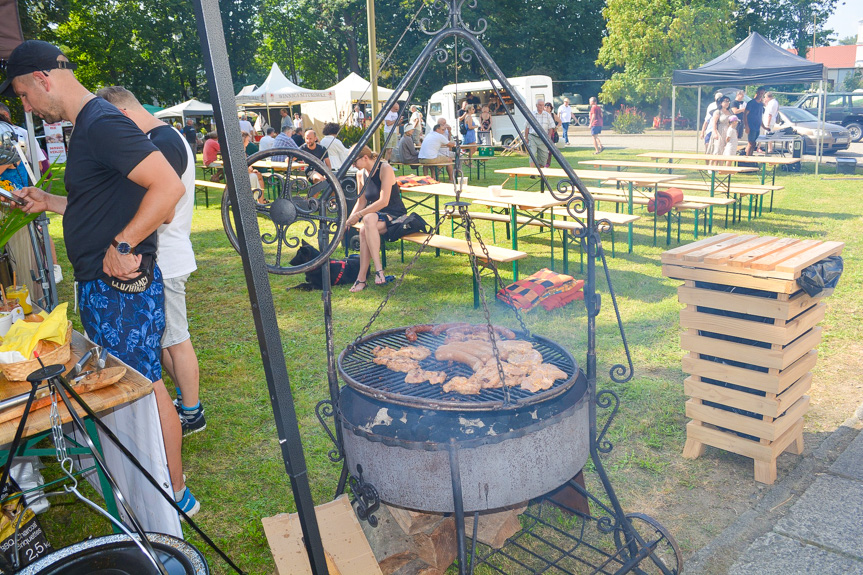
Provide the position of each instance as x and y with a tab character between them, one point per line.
189	108
352	89
278	91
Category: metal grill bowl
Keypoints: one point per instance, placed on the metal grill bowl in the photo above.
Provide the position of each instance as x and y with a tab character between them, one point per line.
361	373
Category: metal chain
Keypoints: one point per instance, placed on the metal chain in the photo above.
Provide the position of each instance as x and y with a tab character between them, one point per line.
57	426
469	225
401	279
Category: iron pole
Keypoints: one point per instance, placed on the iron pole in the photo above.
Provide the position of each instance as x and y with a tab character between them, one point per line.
215	53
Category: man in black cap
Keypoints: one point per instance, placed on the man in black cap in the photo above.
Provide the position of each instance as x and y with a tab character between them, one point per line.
120	189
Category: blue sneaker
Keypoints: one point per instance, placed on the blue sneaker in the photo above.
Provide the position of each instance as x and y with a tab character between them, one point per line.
192	420
189	504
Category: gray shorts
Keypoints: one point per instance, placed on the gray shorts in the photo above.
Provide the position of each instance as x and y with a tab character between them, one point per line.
176	322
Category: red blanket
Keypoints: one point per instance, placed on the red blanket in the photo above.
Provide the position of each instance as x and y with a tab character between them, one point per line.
563	298
664	201
411	181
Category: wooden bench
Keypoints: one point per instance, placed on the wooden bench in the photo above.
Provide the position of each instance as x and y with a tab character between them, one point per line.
694	203
566	226
495	253
206	186
751	190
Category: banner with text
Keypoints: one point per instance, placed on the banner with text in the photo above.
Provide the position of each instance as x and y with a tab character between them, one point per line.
54	142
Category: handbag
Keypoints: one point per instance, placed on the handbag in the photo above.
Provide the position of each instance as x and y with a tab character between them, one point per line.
405	225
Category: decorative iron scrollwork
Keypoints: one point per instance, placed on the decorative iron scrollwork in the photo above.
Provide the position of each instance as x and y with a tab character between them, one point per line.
606	399
454	18
298	211
365	496
324	410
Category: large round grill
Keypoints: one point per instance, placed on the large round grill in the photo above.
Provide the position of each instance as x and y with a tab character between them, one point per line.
361	373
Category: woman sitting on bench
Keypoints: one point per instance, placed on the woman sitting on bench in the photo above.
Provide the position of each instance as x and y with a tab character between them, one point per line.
380	203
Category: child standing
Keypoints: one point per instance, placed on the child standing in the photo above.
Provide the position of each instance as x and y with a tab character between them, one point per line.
731	138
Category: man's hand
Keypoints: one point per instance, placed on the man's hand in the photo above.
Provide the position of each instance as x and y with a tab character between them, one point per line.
119	266
38	200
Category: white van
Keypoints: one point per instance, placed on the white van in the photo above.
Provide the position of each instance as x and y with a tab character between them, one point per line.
447	102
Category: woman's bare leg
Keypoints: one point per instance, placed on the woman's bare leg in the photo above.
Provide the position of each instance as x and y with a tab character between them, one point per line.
373	227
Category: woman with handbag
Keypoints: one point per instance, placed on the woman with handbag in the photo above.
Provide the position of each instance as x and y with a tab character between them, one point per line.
379	204
555	137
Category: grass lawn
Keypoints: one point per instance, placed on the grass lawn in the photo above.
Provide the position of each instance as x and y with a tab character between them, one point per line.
235	467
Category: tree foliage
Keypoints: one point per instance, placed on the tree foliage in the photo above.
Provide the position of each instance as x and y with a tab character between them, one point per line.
647	39
787	22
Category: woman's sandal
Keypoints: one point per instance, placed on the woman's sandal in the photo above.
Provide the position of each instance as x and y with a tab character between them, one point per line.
356	283
380	278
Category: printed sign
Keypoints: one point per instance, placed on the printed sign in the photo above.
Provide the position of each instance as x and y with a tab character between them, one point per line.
54	142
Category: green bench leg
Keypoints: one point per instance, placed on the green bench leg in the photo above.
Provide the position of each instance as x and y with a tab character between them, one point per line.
475	290
565	252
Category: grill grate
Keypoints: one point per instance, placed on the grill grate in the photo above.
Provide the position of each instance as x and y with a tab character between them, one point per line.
361	373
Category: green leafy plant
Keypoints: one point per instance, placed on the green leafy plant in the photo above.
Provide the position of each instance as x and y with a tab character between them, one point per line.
13	219
629	120
350	135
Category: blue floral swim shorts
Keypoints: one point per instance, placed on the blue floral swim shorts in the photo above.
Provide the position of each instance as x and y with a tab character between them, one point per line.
129	325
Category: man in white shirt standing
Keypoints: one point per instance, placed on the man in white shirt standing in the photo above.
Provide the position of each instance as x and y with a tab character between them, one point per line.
391	121
768	118
535	145
565	113
246	126
416	122
268	141
358	118
433	151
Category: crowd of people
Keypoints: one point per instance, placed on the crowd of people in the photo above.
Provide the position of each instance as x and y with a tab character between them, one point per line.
727	121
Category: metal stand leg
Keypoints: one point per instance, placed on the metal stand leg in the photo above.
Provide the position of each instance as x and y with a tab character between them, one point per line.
458	505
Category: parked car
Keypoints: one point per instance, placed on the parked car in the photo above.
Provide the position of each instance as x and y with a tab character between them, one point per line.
844	108
835	137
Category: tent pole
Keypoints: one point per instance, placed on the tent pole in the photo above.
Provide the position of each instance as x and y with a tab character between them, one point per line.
373	68
32	145
698	119
673	108
822	111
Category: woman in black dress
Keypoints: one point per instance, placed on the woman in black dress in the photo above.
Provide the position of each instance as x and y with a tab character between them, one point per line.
379	205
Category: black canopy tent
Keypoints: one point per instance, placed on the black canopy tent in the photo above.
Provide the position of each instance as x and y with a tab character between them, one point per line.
10	28
755	60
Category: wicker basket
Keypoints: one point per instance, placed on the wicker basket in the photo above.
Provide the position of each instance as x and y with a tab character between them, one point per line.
20	370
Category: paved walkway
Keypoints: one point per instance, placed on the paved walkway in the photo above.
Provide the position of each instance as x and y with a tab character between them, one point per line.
810	522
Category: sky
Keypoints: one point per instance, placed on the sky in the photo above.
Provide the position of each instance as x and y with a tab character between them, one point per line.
846	17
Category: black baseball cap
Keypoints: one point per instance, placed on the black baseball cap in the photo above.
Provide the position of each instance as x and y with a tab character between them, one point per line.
33	56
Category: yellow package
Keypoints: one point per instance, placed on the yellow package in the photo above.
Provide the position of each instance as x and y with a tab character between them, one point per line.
24	336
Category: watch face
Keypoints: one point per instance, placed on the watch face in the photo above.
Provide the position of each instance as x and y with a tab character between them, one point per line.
124	248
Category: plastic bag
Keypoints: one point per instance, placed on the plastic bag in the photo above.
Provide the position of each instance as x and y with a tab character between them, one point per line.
25	472
821	278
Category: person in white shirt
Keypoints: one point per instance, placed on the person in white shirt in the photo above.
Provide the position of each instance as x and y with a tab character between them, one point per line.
535	145
358	118
433	151
246	126
416	121
336	151
707	126
391	122
768	118
565	113
298	122
268	141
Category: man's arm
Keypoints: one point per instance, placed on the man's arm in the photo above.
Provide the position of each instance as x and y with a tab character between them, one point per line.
39	201
164	190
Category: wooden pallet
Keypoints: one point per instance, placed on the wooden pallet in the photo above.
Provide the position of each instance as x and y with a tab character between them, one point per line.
751	350
750	261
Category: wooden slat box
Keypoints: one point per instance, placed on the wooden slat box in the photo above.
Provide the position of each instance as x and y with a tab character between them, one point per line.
751	335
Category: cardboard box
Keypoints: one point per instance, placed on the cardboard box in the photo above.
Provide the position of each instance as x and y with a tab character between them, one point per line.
342	536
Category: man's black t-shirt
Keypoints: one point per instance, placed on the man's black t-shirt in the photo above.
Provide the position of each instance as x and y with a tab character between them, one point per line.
299	140
104	148
319	152
165	138
191	135
754	111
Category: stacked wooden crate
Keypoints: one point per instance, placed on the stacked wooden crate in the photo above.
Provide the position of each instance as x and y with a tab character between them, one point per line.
751	334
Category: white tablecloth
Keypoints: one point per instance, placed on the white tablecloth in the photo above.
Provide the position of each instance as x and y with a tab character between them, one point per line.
137	426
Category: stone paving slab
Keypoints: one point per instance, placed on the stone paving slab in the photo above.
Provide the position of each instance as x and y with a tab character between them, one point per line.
775	554
850	463
828	514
